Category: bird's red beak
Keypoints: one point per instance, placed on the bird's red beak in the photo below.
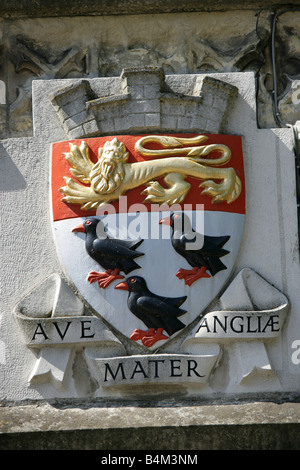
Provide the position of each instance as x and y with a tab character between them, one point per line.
79	228
122	285
166	221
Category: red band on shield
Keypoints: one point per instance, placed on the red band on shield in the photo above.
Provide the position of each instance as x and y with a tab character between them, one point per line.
61	169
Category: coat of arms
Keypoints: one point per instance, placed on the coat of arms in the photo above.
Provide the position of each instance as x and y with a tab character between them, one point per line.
159	217
148	224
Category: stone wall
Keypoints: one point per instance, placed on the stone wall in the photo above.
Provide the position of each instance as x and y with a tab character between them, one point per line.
45	43
65	68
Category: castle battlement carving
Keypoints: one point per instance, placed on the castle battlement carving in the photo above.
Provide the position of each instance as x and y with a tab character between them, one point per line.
144	101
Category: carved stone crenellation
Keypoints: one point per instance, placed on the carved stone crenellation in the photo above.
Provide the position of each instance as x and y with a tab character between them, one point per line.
143	102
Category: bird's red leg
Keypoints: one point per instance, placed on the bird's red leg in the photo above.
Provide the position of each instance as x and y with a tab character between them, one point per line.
140	334
106	278
148	337
191	275
150	340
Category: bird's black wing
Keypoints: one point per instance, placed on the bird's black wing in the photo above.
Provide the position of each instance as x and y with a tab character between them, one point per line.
114	248
174	301
156	306
211	246
214	264
163	315
131	244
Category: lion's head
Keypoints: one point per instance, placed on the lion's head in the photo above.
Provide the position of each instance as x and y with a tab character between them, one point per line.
108	173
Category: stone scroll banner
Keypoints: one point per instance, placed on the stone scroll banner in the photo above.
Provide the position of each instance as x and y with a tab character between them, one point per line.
250	313
250	309
154	368
55	341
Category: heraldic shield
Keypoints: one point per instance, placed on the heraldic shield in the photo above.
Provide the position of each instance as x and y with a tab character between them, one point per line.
148	227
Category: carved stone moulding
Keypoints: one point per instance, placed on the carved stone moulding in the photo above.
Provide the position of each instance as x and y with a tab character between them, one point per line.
85	8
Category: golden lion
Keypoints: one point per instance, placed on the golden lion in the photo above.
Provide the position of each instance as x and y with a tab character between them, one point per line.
111	176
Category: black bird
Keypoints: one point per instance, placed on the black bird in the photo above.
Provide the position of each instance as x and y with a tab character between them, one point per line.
205	258
112	254
156	312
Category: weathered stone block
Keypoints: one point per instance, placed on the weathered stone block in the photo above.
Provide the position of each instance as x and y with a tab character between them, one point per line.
168	121
145	106
199	122
78	91
143	76
91	127
152	120
184	122
76	132
106	125
135	121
